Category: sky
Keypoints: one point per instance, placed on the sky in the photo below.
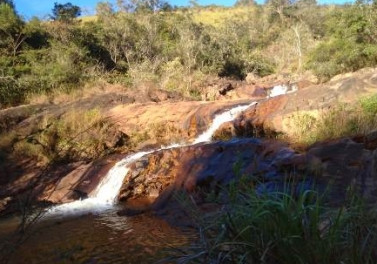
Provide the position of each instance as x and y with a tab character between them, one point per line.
41	8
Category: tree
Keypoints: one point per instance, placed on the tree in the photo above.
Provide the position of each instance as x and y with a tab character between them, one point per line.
244	3
104	9
7	2
278	7
142	5
65	12
11	27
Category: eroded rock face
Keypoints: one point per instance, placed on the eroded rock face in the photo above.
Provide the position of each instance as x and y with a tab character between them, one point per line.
136	126
168	122
59	184
269	165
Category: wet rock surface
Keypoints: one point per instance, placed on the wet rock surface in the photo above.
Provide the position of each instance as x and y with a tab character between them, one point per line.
167	122
58	184
270	166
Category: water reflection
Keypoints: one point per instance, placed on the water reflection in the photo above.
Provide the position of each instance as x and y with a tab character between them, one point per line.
113	221
101	238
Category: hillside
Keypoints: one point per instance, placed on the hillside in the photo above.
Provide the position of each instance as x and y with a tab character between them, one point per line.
181	50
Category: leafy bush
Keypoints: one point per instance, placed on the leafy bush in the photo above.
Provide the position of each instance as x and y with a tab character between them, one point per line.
339	55
10	92
369	105
350	42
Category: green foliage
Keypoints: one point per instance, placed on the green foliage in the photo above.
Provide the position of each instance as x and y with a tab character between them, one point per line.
10	29
171	48
10	92
341	55
59	67
350	42
65	12
369	105
8	2
284	228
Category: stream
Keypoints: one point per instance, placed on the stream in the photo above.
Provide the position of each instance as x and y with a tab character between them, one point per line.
90	231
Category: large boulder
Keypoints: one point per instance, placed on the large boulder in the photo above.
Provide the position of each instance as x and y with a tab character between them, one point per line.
333	167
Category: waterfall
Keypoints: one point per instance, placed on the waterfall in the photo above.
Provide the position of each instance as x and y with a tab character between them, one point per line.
219	120
282	89
105	195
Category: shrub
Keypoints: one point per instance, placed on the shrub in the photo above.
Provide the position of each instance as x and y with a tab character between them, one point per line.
369	105
338	56
350	42
10	92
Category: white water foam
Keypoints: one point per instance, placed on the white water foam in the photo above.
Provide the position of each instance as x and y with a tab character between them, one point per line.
219	120
282	89
106	193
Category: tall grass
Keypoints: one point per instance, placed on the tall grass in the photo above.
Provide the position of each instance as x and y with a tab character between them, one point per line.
284	228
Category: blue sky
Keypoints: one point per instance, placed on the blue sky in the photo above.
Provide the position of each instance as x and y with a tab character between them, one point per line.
42	8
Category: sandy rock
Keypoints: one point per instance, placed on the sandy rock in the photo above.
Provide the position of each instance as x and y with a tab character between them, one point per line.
251	78
167	122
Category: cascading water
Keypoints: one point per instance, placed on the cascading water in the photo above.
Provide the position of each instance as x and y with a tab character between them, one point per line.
282	89
219	120
104	196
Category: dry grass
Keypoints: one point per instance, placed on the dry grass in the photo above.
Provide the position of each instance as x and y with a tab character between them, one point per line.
341	121
86	19
76	135
88	90
161	133
213	16
218	16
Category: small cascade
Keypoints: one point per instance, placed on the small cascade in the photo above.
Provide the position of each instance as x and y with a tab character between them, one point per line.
282	89
105	195
109	187
219	120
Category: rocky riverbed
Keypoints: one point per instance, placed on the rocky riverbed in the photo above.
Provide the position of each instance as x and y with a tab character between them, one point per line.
347	162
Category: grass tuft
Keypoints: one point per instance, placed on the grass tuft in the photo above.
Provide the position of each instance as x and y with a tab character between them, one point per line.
282	228
340	121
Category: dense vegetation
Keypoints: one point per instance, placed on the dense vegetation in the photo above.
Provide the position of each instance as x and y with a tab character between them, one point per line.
176	48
